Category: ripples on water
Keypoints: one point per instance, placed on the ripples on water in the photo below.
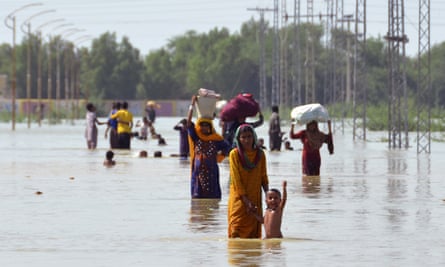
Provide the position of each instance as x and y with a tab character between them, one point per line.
371	206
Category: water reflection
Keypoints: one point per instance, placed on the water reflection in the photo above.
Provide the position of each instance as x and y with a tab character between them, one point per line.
245	252
310	184
204	215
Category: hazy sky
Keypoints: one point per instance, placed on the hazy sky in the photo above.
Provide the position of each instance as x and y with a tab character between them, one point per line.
149	24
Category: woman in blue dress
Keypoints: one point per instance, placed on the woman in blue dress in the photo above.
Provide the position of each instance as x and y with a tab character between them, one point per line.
207	148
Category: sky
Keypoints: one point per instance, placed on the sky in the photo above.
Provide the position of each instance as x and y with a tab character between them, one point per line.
150	24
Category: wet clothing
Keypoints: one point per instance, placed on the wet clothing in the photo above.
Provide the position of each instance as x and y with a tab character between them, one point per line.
125	123
114	138
311	160
230	128
183	140
91	129
245	180
275	135
150	113
204	160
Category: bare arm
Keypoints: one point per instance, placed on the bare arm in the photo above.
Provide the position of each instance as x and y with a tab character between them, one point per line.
284	196
190	114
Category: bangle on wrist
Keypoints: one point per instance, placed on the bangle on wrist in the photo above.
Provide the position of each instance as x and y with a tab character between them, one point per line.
191	107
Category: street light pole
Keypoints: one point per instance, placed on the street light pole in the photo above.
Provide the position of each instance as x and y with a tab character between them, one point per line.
39	68
10	22
27	22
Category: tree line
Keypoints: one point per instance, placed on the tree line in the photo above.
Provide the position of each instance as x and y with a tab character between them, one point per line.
219	60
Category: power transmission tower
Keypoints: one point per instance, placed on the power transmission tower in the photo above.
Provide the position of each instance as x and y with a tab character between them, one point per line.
275	57
310	57
284	93
264	95
424	80
296	60
359	98
329	80
398	109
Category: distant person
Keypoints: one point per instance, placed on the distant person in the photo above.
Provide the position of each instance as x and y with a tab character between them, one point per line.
143	132
181	126
275	133
109	159
112	126
229	128
143	154
287	145
312	139
261	143
124	126
150	111
248	175
274	212
91	128
161	141
207	148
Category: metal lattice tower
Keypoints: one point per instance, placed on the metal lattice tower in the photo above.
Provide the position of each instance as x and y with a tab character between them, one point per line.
424	80
359	98
329	80
310	62
284	92
340	71
275	57
397	102
264	96
296	60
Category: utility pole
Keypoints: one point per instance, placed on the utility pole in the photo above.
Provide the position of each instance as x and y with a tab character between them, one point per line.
264	96
284	94
296	73
275	57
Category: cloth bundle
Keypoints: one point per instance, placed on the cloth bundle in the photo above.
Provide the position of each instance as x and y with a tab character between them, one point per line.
241	106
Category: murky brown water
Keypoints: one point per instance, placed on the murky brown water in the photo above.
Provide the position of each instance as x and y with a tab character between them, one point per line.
370	207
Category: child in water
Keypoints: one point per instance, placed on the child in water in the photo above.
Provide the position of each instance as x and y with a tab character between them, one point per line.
274	212
109	159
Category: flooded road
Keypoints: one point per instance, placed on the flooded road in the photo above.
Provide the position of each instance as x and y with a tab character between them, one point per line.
371	206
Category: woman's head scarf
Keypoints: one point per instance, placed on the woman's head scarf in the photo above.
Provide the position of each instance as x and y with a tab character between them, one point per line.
247	164
213	136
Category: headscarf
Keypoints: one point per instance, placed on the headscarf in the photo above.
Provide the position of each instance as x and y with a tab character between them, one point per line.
247	164
213	136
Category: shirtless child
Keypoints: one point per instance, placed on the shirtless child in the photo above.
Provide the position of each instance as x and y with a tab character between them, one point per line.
274	212
109	159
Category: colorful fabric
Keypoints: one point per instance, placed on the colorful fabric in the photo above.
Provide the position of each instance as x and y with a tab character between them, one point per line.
124	118
247	182
311	160
204	158
245	162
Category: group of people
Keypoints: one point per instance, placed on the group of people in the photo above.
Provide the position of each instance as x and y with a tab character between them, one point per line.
247	161
248	171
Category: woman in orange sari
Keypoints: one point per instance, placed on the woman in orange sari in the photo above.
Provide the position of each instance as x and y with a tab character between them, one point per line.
248	174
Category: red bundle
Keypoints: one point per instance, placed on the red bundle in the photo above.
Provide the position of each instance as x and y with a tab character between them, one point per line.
241	106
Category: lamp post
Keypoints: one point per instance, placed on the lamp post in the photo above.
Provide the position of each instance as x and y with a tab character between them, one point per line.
68	65
27	23
76	71
39	68
57	68
10	22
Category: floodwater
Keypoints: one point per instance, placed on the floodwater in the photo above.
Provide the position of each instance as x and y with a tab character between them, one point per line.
371	206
